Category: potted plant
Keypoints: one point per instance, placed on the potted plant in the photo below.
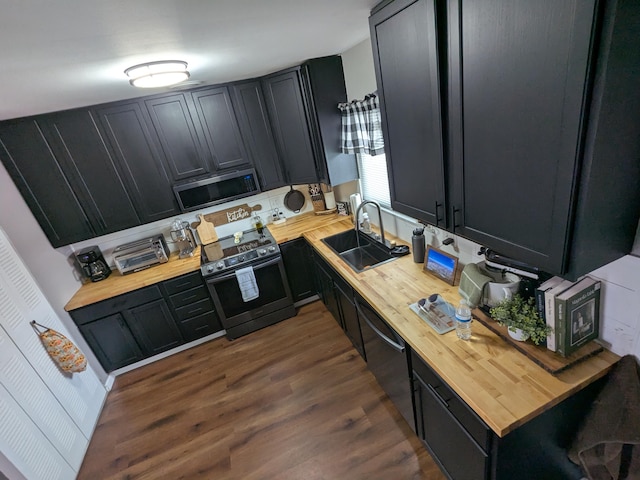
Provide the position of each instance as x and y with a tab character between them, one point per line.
522	319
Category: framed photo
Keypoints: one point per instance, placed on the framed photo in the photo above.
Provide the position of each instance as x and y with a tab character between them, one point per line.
441	265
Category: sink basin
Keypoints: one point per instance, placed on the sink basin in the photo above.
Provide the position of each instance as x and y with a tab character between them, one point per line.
369	254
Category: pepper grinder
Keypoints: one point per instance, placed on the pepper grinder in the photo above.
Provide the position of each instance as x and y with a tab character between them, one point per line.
417	240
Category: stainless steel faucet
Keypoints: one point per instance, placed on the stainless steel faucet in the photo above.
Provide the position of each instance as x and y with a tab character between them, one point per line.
357	220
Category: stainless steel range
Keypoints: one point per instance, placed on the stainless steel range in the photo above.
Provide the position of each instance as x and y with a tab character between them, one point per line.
247	280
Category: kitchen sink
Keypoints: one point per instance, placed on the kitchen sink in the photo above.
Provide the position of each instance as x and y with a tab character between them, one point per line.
368	253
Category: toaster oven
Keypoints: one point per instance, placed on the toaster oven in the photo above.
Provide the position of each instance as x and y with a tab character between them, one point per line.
135	256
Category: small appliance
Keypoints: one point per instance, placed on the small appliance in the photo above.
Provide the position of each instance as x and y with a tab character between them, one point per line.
183	237
93	265
135	256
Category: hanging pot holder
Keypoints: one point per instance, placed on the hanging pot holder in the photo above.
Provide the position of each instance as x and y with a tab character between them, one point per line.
62	350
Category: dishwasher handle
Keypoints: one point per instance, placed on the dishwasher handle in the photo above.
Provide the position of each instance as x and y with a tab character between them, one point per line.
396	346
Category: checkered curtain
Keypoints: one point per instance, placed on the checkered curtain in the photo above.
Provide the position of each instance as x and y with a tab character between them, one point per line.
361	127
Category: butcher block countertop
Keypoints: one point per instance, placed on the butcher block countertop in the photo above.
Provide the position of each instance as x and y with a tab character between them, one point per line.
116	284
504	387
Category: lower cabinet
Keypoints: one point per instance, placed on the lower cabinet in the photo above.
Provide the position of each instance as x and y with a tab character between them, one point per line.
298	263
125	329
338	297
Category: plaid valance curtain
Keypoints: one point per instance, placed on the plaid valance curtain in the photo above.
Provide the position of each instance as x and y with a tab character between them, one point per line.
361	127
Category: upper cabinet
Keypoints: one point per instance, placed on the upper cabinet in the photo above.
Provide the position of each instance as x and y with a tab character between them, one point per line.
255	127
177	135
138	152
220	126
528	133
302	103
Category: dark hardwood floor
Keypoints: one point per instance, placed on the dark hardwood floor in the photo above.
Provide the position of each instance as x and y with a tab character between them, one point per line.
291	401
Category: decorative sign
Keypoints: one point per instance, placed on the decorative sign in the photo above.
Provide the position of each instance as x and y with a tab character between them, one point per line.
231	215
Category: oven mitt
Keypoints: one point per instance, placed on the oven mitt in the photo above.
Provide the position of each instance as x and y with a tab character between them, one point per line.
62	350
472	282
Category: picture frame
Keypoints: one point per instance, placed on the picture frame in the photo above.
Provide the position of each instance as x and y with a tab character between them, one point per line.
441	265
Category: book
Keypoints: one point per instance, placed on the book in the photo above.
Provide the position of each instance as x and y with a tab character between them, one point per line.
552	282
550	311
577	315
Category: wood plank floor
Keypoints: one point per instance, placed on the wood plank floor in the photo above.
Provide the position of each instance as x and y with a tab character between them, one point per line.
291	401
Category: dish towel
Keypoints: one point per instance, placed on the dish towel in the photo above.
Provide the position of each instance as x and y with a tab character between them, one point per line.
247	283
472	282
607	444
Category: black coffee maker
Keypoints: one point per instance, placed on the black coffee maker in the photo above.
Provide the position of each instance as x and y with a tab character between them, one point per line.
93	264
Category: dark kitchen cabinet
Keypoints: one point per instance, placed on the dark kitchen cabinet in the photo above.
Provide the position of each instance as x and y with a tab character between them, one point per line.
298	263
40	179
338	297
255	127
112	342
406	60
138	153
128	327
302	106
192	306
220	127
177	135
529	114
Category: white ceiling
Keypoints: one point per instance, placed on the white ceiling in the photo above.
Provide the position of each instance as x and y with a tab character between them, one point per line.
60	54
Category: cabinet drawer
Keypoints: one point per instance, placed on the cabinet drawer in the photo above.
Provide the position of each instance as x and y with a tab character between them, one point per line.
190	296
454	404
200	326
193	309
116	304
185	282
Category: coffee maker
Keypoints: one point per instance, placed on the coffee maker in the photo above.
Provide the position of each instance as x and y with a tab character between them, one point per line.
93	264
182	235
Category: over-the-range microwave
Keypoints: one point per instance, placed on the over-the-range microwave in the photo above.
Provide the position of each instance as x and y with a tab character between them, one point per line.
203	192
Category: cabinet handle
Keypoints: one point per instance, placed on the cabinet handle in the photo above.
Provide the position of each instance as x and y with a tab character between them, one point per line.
438	218
454	215
437	395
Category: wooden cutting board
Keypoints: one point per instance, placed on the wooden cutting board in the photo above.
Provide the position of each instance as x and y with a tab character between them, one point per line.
206	231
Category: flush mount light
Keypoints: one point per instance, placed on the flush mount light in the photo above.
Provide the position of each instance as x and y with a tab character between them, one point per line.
157	74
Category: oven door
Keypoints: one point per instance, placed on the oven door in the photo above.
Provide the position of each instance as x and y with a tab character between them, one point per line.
274	293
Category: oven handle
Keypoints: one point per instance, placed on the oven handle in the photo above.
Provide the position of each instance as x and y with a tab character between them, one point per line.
258	266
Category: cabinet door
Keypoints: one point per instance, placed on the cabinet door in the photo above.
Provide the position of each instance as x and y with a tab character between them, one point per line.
154	327
326	288
285	103
406	62
177	134
256	130
349	314
296	256
112	342
519	73
138	154
90	169
40	179
221	130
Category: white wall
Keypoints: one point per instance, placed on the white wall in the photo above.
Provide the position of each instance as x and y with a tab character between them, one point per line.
620	310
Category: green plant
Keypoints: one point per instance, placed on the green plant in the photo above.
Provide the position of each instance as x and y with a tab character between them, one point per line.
516	312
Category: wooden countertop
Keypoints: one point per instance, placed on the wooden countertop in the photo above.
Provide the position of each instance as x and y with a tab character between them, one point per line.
505	388
116	284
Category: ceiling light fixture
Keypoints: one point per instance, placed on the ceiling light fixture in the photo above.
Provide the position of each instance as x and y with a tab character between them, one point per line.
157	74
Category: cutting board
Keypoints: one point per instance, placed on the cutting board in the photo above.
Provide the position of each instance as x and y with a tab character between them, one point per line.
206	231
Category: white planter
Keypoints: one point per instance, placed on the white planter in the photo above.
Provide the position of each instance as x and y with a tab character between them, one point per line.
518	335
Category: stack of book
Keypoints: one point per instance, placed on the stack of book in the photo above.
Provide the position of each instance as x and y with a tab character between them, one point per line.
572	310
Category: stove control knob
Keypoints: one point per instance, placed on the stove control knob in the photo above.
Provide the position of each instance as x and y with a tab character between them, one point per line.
220	265
241	258
262	252
272	249
209	268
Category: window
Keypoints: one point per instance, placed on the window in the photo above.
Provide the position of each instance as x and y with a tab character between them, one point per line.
374	181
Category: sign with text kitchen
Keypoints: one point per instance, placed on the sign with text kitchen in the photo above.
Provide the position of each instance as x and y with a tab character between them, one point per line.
230	215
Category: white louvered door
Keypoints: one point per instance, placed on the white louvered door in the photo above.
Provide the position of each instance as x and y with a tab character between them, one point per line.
61	408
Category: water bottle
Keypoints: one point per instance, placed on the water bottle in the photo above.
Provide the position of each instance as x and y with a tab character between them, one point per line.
417	241
463	321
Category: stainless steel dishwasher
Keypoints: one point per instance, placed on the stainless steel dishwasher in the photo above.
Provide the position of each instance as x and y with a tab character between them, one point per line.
387	358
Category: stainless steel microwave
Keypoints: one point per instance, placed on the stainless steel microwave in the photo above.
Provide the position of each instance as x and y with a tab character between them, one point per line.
203	192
